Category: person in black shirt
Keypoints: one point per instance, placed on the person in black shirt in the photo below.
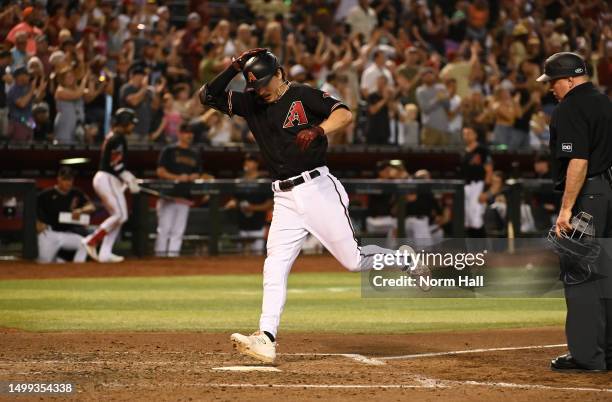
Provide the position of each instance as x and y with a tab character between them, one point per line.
379	129
180	163
55	231
581	148
252	209
43	126
476	170
110	182
290	123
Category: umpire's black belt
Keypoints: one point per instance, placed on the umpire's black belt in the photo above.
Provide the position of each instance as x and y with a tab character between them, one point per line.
606	175
287	185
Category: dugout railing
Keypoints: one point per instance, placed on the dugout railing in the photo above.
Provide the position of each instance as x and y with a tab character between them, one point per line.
140	216
217	189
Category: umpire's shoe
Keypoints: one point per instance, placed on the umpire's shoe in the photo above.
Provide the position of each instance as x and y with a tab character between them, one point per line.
566	363
256	345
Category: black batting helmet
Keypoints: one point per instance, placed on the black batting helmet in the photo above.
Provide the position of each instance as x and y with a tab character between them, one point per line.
124	116
260	69
562	65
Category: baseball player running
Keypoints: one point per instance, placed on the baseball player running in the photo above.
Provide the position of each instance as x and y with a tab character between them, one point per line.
180	163
291	122
110	182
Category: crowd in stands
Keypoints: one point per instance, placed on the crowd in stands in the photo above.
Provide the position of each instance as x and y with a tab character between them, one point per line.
414	72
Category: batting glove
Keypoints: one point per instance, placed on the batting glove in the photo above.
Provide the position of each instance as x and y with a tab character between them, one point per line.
240	61
308	135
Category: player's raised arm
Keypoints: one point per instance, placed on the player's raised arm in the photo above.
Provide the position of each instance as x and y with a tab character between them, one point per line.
213	93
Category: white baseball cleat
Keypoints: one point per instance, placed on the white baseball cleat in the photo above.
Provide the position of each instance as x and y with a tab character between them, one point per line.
256	345
112	258
92	252
418	271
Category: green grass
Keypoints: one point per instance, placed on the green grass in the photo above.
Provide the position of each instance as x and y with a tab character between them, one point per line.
329	302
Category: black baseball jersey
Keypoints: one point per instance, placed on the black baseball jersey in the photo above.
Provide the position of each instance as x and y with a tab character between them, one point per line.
473	163
581	128
177	160
275	125
114	151
50	202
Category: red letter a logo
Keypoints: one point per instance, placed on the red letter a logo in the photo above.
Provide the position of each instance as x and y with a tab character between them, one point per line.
296	112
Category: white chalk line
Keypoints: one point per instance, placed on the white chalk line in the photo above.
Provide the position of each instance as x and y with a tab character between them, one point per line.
460	352
423	383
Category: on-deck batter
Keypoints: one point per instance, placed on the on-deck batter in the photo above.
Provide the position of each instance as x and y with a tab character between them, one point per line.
110	182
290	122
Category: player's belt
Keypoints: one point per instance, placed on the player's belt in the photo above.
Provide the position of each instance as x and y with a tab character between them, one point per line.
287	185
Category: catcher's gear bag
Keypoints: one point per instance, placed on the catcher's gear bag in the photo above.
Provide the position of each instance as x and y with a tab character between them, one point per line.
577	250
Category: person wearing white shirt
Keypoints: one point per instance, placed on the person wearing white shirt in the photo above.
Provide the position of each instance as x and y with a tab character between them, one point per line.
370	75
362	19
455	118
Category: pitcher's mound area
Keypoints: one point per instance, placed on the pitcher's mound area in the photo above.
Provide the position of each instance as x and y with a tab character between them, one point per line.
485	365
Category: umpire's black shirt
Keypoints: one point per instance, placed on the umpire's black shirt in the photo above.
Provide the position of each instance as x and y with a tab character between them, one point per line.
581	128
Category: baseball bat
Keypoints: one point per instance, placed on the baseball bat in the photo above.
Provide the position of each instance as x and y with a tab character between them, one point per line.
157	194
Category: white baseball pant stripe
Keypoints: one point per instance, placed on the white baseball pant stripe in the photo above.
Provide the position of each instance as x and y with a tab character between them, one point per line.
319	206
171	224
111	191
50	242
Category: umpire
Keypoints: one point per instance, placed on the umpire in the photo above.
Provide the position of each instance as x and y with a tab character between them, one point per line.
581	147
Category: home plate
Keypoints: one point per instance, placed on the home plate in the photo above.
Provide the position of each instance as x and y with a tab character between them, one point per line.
246	368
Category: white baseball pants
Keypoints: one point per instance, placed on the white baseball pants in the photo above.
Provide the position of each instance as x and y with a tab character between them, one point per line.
50	242
171	224
320	207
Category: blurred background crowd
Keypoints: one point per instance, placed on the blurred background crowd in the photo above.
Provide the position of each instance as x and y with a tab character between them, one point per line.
414	72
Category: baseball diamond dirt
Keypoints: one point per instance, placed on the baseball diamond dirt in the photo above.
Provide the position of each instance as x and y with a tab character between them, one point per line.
493	364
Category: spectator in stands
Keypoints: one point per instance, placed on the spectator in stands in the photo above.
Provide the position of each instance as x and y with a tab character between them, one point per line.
476	170
27	31
433	100
6	80
100	86
379	102
409	133
43	53
219	128
409	75
138	94
252	210
43	126
362	18
506	110
18	52
455	116
369	78
70	116
20	98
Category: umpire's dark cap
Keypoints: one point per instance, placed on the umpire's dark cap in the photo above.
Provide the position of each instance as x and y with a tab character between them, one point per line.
259	70
562	65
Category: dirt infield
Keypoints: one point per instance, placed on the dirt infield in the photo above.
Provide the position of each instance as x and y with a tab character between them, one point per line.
223	265
180	366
